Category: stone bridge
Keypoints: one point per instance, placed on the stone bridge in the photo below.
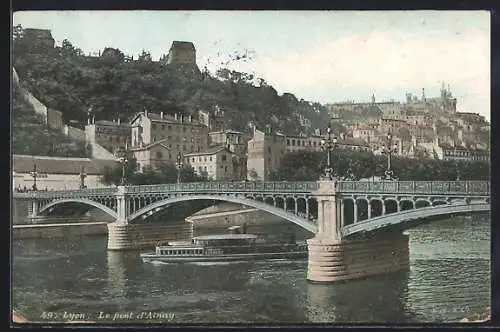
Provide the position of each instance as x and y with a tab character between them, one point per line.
366	216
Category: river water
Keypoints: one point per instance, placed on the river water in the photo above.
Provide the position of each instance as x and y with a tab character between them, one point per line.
77	278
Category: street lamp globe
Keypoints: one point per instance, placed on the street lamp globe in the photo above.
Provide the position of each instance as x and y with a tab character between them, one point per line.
335	140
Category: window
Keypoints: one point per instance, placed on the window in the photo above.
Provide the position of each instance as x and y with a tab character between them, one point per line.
205	159
224	157
210	158
183	129
153	126
154	138
303	143
205	168
158	155
162	127
293	142
193	159
269	149
221	166
287	141
169	127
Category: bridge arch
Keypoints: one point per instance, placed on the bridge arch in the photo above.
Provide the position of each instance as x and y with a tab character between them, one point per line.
233	199
413	218
89	202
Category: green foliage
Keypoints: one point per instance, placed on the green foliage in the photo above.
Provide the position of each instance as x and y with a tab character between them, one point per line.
309	166
30	135
114	84
165	173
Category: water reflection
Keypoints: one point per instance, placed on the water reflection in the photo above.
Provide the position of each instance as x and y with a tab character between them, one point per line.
374	300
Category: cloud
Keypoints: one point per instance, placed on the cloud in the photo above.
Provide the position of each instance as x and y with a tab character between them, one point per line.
382	61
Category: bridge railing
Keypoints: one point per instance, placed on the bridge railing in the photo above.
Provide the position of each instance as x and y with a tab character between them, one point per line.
75	193
221	187
416	187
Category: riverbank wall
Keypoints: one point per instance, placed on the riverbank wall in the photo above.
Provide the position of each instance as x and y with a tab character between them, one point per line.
251	217
58	230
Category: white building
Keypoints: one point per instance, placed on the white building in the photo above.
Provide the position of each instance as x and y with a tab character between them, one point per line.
56	173
216	163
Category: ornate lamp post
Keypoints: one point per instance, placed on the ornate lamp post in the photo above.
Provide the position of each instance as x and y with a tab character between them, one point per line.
123	160
389	150
83	175
34	175
179	164
328	145
457	169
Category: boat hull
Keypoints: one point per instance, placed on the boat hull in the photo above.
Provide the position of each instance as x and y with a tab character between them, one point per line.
152	257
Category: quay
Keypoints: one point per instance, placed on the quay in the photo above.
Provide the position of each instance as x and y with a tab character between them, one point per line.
58	230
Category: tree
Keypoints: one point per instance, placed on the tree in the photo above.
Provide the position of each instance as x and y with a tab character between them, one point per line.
253	175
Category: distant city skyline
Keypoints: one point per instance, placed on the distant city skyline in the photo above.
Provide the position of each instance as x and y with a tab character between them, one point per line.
323	56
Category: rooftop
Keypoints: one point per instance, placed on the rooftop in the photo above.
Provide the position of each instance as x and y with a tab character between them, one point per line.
226	237
59	165
111	123
167	118
183	45
210	150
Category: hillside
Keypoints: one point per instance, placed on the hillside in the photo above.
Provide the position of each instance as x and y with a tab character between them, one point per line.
30	135
113	85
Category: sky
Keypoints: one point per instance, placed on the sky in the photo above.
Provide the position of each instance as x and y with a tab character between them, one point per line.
320	56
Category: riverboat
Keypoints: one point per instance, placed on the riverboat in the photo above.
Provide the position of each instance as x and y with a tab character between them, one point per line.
226	248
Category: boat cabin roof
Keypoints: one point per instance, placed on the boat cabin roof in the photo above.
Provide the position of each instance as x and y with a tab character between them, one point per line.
226	237
179	243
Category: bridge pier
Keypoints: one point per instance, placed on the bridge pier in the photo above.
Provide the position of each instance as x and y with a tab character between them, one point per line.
333	259
147	235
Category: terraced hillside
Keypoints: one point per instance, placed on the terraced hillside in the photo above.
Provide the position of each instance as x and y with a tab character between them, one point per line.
30	135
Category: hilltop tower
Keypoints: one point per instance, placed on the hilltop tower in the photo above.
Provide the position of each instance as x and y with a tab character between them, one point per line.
181	52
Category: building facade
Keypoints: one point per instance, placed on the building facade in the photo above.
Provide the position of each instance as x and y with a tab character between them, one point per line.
181	52
56	173
214	119
179	133
265	151
152	155
40	39
112	135
216	163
